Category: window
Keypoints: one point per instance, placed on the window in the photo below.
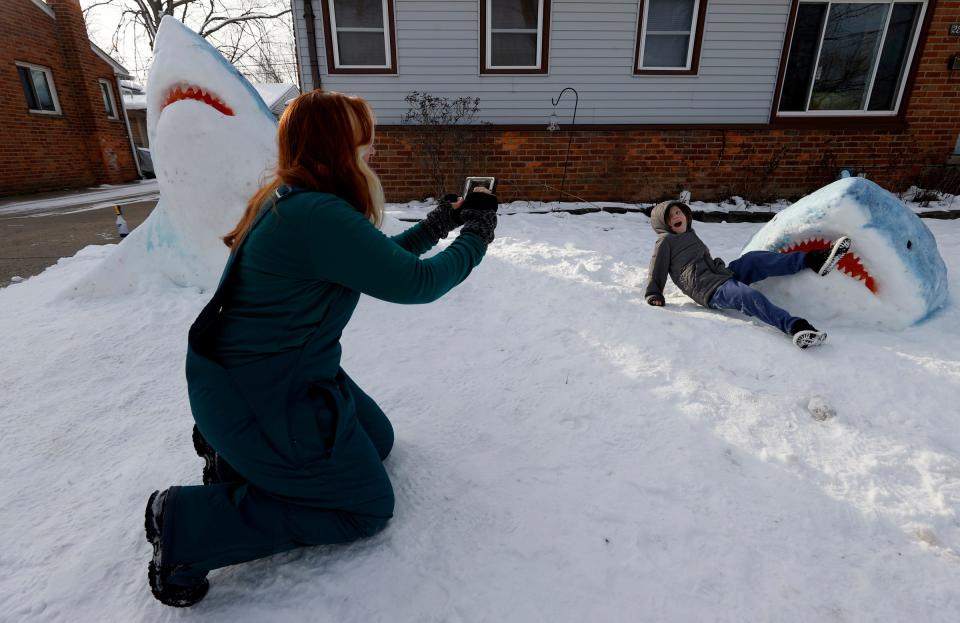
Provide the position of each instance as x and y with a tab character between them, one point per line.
37	83
108	102
669	36
849	57
359	36
514	36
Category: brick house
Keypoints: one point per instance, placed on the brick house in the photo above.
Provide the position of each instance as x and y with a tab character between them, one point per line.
62	123
757	98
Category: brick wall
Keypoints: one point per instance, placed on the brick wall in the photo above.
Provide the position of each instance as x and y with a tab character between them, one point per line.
80	147
648	164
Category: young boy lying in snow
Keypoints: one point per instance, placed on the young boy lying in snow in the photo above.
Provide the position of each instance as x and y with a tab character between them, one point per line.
709	282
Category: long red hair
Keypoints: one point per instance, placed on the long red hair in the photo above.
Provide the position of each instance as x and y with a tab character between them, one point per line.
323	139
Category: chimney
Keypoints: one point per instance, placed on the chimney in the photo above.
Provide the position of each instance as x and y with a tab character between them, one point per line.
80	80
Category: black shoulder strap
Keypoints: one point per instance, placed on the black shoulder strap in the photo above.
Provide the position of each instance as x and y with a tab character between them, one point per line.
287	190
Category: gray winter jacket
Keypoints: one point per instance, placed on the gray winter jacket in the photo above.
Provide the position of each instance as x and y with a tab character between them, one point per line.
684	257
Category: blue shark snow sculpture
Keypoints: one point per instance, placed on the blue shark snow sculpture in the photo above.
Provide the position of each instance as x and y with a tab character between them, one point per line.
894	275
212	139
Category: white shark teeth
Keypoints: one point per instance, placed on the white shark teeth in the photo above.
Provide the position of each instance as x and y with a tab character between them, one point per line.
184	91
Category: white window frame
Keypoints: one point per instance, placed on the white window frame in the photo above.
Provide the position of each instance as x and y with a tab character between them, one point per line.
106	91
53	88
528	31
873	72
335	30
643	39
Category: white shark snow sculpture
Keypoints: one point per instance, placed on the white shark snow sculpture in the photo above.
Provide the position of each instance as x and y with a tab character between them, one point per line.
212	140
894	275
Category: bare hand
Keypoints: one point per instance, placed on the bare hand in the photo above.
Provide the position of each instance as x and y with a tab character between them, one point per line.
456	204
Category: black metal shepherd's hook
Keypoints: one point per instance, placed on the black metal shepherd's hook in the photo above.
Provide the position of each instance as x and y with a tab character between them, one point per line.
553	127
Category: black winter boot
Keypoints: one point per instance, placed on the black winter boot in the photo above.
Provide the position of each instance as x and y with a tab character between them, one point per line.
825	260
209	456
805	334
177	594
215	469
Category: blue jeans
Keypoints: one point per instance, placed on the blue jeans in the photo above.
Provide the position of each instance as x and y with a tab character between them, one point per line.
736	293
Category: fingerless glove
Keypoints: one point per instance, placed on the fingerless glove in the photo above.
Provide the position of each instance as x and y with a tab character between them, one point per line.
441	220
480	222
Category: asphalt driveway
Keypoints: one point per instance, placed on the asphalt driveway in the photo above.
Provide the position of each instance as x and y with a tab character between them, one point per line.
29	244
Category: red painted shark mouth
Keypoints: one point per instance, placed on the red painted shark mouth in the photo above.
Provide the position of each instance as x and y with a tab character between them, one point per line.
849	265
182	92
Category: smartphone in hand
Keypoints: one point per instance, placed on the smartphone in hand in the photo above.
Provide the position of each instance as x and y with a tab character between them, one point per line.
473	183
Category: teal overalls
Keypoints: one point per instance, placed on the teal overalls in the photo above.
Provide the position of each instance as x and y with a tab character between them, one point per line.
267	391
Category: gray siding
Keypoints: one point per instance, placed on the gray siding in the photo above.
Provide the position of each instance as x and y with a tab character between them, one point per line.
592	45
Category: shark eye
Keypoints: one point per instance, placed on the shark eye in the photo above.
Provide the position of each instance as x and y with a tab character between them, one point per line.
909	244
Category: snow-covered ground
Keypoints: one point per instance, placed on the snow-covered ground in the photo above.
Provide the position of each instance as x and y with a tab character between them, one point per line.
564	451
103	196
932	201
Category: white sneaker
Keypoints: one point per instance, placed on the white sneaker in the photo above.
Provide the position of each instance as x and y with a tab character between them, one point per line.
808	338
840	247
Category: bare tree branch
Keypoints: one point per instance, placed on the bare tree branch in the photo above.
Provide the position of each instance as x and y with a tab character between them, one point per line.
246	51
86	11
150	25
209	16
236	20
238	28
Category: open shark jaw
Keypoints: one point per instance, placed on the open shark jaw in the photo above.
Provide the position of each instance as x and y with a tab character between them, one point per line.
191	92
850	264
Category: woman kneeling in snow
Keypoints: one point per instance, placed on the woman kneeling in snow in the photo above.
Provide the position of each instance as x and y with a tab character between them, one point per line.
293	447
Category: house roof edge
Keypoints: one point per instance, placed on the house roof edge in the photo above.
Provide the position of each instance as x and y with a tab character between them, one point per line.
46	8
118	69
